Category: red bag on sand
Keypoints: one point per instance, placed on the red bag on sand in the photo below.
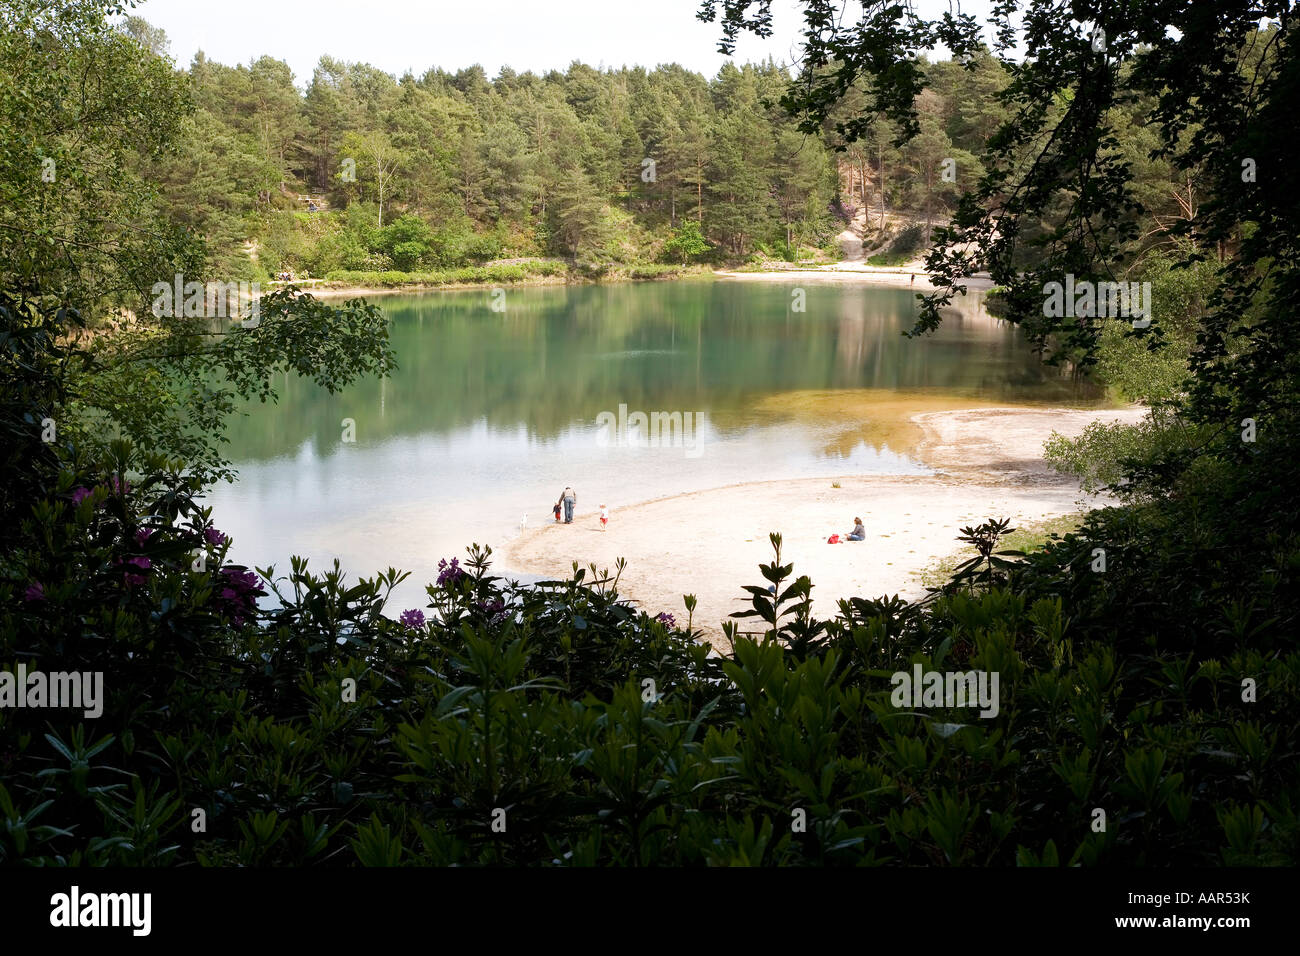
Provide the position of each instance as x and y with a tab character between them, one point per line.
833	539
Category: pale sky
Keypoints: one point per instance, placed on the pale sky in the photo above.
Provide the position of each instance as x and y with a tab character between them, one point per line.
416	35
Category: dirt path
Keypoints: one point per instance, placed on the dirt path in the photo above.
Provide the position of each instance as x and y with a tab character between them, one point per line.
850	239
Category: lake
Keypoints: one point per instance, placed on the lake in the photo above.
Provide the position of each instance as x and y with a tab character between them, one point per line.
491	413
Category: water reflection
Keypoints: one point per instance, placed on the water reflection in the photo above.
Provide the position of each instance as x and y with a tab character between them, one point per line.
490	415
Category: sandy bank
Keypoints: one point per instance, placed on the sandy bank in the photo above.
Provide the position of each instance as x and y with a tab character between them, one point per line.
988	464
912	275
354	292
856	273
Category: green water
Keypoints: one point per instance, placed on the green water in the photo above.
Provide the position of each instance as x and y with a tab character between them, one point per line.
490	414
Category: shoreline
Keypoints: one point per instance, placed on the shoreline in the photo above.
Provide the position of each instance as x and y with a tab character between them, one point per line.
355	292
986	463
916	278
416	288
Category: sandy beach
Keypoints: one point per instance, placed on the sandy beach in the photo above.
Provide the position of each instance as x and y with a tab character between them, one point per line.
912	276
322	291
987	463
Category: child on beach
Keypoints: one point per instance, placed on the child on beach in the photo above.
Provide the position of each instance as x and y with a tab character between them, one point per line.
604	517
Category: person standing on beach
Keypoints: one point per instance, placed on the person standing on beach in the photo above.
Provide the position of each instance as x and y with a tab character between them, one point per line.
570	499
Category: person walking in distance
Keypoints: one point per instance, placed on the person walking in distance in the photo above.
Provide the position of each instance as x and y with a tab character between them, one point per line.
570	499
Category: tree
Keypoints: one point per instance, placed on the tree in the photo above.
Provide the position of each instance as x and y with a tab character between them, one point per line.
382	158
925	157
578	212
277	111
407	241
96	239
696	145
801	182
323	112
510	178
152	38
1217	86
68	83
741	193
687	242
427	130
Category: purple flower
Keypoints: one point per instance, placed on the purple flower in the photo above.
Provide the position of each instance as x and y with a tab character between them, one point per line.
243	580
494	609
413	619
136	564
666	619
120	487
239	592
35	592
214	537
80	494
143	535
449	573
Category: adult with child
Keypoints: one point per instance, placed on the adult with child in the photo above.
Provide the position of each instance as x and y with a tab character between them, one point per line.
568	498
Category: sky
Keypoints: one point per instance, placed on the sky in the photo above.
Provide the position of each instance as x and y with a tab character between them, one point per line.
417	35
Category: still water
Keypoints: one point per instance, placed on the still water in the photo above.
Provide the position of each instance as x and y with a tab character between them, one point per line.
490	414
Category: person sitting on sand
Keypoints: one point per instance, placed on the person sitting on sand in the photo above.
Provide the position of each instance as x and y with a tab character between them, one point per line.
859	533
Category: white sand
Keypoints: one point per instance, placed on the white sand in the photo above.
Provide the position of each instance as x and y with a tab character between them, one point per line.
911	275
710	543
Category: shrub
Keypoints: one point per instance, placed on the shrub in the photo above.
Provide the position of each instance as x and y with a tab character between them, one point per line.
408	242
841	211
517	272
907	241
606	735
315	729
687	242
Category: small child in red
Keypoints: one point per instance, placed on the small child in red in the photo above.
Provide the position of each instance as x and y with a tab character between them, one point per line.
604	517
